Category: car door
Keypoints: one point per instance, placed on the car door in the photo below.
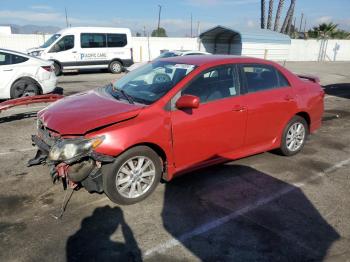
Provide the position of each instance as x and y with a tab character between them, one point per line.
217	126
64	51
270	102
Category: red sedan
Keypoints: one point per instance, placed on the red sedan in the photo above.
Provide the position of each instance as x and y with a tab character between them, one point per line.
172	116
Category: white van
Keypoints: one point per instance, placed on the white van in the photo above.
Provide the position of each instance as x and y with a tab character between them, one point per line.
88	48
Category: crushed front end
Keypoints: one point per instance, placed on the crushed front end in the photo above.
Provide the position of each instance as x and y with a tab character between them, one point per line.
70	159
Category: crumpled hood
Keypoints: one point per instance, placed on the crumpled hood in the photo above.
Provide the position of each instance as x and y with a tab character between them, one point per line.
80	113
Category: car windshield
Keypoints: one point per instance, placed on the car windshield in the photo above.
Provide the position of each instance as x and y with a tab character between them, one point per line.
52	39
150	82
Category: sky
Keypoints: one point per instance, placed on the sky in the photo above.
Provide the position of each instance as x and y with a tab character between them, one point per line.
175	15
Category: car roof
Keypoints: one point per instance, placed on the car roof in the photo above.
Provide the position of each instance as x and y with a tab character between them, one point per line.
200	60
94	30
21	54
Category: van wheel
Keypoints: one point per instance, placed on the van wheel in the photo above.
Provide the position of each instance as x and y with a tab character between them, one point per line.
115	67
133	176
57	69
24	87
294	136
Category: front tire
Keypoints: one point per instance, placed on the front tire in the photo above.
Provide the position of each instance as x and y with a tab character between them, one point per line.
115	67
133	176
294	136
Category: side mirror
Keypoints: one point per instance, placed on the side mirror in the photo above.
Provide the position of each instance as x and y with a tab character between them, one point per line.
187	102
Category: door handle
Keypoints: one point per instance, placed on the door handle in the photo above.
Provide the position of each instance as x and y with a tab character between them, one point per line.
74	52
7	70
289	98
239	108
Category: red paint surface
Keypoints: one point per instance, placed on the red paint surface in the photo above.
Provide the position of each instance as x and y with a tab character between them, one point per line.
225	129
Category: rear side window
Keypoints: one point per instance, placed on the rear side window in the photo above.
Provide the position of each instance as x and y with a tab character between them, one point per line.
260	77
282	80
17	59
116	40
88	40
9	59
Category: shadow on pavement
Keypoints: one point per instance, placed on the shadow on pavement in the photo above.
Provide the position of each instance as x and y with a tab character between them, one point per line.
18	116
92	241
268	219
340	90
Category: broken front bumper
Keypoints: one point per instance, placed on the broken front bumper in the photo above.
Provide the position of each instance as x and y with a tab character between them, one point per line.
84	170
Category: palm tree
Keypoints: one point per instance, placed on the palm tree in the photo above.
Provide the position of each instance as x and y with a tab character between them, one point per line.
289	17
324	30
269	19
263	4
278	14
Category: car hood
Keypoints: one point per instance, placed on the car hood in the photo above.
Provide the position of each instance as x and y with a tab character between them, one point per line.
80	113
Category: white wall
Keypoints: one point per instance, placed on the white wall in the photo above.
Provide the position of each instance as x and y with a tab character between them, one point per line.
299	50
319	50
21	42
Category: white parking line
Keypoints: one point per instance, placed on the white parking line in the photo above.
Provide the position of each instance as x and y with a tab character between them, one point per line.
161	248
16	151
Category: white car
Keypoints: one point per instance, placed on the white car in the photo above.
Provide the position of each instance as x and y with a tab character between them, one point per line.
169	54
24	75
77	48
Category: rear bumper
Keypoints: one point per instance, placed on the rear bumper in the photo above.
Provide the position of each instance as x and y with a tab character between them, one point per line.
127	62
48	85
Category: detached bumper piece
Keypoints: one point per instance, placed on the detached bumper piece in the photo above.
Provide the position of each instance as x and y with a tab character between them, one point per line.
82	171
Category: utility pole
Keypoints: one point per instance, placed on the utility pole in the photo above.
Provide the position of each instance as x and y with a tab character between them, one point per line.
198	28
160	10
301	21
144	31
305	25
191	26
65	9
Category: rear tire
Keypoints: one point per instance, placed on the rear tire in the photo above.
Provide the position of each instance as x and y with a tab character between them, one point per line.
57	69
24	87
294	136
133	176
115	67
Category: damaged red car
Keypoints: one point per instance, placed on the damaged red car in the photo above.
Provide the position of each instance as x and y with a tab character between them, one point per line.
172	116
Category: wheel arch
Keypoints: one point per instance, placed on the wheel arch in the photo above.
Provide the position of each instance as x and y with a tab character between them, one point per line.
116	59
159	151
306	116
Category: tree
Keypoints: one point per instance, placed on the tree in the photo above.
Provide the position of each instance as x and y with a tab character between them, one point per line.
269	18
138	34
159	32
289	17
263	4
328	30
278	15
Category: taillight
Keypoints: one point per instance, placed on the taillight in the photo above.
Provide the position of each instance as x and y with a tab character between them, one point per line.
48	68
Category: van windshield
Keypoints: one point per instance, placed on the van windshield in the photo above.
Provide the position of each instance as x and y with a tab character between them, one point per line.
150	82
52	39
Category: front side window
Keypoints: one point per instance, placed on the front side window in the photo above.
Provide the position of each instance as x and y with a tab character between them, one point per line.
260	77
216	83
150	82
88	40
65	43
116	40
